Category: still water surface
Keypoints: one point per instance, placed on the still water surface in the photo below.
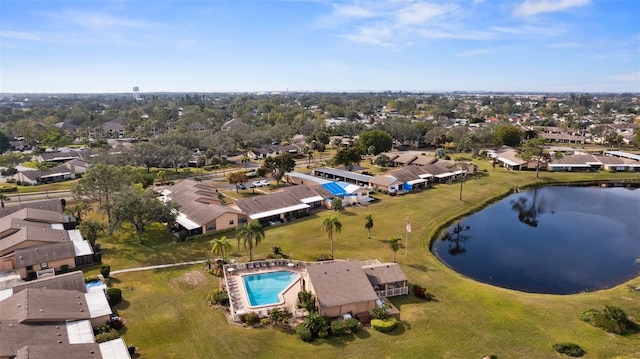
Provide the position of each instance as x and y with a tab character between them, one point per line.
556	240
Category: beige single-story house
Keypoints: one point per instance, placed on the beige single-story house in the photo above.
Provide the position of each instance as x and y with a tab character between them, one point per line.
341	288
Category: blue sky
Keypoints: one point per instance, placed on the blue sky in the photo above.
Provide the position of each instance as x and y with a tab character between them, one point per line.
235	45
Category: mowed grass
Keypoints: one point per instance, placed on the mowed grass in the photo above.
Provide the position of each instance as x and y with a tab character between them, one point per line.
167	316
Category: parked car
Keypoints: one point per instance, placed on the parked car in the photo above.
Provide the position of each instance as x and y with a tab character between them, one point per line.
257	183
265	182
242	186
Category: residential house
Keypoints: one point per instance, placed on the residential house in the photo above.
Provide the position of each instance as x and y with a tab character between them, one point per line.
405	179
387	279
507	158
114	129
335	174
341	288
201	210
36	177
275	208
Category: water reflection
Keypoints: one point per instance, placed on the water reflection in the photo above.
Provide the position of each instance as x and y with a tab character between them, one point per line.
456	239
528	212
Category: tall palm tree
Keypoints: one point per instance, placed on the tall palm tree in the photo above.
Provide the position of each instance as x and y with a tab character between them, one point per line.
251	234
368	224
245	161
221	247
329	225
394	244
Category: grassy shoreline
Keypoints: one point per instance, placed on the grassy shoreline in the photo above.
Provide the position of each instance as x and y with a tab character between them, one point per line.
167	316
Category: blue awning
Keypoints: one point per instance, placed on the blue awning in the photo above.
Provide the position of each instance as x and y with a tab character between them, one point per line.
335	189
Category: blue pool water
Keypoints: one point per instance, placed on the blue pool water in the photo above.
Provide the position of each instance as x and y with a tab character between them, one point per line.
263	288
93	283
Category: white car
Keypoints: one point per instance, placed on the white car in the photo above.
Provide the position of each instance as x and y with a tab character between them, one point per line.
256	183
264	182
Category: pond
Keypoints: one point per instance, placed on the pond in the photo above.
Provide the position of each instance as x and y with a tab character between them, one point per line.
558	240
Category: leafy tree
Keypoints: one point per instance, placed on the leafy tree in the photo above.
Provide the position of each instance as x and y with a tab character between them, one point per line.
440	153
329	225
394	244
11	160
100	183
235	178
4	142
336	204
463	164
368	224
251	234
382	161
379	139
55	137
79	210
146	154
533	150
91	229
314	322
220	247
176	155
279	165
508	135
139	207
245	160
348	157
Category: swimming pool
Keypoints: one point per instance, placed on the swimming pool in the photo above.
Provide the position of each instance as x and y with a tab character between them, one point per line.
264	288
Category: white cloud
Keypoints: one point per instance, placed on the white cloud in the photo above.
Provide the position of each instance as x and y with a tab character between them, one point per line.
421	12
353	11
100	21
535	7
472	53
629	77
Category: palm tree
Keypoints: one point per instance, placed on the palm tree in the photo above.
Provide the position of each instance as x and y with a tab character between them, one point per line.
368	224
162	176
251	234
394	244
245	161
329	225
221	246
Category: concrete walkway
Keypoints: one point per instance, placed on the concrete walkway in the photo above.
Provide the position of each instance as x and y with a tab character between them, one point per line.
160	266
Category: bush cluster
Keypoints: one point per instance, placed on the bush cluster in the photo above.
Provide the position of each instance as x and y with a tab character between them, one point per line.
250	318
105	333
421	292
570	349
612	319
105	270
114	296
352	324
384	325
304	333
218	297
337	328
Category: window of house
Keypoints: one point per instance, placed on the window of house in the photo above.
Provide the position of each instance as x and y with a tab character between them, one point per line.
29	268
211	227
44	265
231	222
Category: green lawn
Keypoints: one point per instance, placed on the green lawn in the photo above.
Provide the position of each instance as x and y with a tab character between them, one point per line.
167	315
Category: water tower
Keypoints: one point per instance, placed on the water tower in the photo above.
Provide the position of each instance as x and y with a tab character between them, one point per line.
136	95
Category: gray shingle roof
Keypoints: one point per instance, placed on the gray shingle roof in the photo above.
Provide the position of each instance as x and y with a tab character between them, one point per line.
384	273
340	283
43	254
45	306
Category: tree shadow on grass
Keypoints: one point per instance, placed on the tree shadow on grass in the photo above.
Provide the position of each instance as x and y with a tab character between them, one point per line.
421	267
400	329
337	341
124	304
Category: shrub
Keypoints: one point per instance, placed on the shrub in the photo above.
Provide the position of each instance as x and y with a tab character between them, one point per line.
114	296
91	278
421	292
106	336
352	324
612	319
384	325
107	282
304	333
324	333
105	270
265	322
380	312
337	328
306	300
64	268
251	318
570	349
218	296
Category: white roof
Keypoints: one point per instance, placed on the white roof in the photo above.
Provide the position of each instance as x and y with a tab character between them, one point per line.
82	248
446	174
97	303
426	175
509	162
80	331
5	293
114	349
75	235
279	211
416	181
351	188
307	177
182	220
312	199
57	226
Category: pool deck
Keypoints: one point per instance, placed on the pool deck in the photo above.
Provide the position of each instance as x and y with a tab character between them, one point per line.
238	298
